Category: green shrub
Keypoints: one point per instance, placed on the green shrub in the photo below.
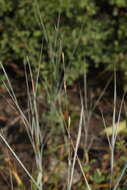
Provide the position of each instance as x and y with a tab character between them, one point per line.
89	33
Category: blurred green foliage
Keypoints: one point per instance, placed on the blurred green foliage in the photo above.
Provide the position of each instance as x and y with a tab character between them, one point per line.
87	32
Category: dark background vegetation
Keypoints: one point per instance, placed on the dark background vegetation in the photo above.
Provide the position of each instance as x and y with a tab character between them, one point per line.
90	34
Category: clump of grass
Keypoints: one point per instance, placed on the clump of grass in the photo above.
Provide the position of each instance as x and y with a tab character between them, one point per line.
31	120
35	133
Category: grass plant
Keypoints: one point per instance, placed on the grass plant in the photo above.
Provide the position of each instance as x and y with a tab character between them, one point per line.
58	126
35	133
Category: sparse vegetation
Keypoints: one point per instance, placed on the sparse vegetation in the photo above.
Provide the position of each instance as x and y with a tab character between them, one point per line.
53	47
